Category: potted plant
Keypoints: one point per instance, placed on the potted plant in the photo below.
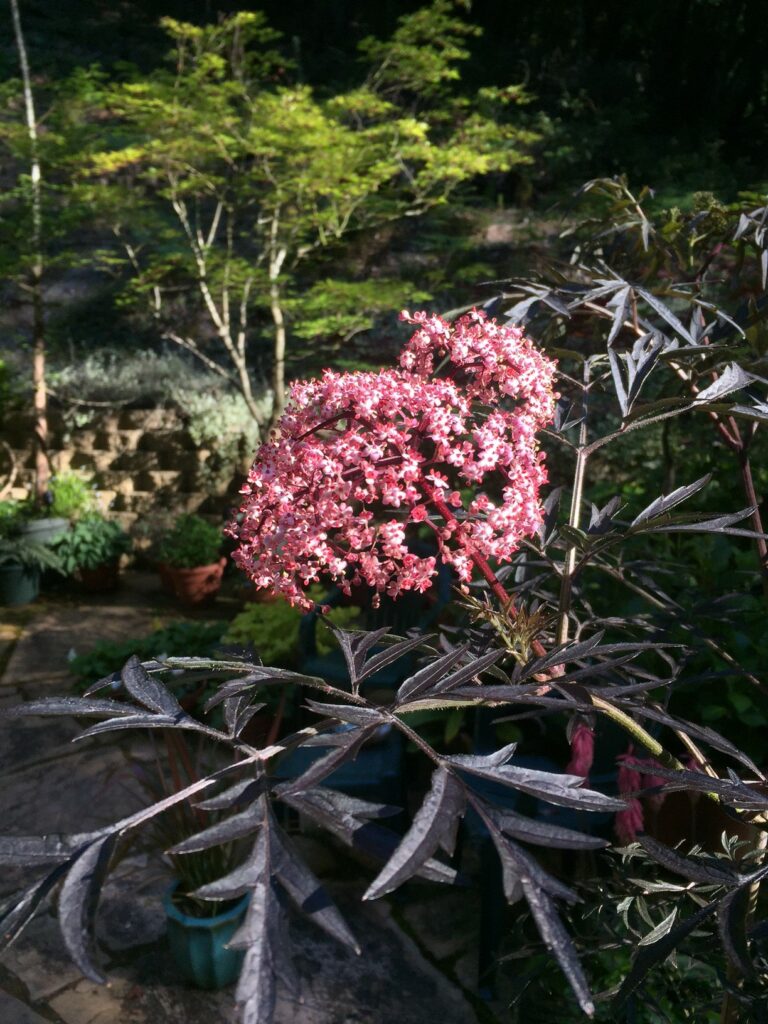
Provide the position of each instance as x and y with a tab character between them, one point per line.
21	562
198	929
190	560
69	497
91	550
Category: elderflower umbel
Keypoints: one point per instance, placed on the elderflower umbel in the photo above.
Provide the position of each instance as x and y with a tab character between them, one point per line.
357	457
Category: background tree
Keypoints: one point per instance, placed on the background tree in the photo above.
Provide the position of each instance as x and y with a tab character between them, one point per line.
237	182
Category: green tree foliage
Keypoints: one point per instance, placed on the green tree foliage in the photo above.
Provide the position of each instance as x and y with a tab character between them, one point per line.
229	184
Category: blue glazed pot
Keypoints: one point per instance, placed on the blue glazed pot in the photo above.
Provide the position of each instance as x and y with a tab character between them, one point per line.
198	944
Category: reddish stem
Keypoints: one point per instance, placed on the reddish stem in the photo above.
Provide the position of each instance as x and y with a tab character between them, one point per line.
480	561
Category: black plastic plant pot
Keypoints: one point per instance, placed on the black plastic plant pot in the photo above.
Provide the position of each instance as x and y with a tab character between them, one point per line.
18	584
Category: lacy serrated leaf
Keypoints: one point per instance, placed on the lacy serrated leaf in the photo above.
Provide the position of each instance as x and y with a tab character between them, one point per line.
557	940
389	656
422	680
324	766
434	825
666	502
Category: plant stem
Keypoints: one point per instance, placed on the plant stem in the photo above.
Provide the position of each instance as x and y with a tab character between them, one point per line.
569	565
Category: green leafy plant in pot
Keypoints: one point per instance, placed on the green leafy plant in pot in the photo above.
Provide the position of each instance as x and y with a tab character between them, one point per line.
21	562
191	564
91	551
69	498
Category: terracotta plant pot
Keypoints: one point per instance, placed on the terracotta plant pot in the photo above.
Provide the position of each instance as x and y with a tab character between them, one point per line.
196	586
166	580
101	580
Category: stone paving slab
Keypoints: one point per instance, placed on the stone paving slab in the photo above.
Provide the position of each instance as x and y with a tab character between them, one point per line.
14	1012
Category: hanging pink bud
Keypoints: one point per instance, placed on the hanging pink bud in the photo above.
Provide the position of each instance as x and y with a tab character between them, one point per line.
582	750
630	821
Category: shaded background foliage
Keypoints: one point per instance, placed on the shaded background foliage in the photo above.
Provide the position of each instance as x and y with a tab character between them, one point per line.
659	90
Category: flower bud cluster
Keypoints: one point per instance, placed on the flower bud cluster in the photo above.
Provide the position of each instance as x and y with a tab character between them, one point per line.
447	439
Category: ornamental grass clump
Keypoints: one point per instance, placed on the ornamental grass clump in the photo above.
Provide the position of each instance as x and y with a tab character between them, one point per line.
360	456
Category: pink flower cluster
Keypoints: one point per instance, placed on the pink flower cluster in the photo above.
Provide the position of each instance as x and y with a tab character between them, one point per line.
357	457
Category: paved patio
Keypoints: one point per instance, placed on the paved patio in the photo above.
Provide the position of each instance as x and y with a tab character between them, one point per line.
418	962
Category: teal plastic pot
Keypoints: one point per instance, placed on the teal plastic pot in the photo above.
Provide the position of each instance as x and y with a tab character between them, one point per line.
199	944
18	585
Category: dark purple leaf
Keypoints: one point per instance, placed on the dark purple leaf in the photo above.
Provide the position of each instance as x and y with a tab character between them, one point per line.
555	788
236	827
78	900
306	891
244	790
148	691
541	833
620	302
355	647
143	721
82	706
467	672
664	503
707	871
325	766
665	313
558	942
732	916
17	913
348	713
367	836
388	656
422	680
434	825
733	378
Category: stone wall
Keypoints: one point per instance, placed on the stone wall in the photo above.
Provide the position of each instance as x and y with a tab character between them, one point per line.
142	461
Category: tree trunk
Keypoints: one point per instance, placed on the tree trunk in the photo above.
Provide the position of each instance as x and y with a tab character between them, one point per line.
40	401
278	368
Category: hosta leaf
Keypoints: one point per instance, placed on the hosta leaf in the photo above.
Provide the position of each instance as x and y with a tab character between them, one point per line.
434	825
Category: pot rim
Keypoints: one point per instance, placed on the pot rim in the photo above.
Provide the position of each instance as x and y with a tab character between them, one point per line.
175	914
